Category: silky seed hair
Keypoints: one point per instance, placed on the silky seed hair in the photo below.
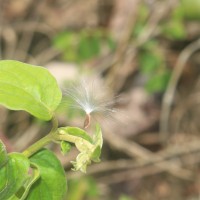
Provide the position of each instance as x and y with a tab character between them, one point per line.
92	97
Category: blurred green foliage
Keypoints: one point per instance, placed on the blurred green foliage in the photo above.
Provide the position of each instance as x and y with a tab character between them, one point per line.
80	46
190	9
174	27
153	67
125	197
83	188
83	45
152	60
86	188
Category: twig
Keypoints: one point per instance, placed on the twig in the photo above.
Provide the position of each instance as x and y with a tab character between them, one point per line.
10	38
169	156
170	91
135	150
2	5
123	64
47	55
24	44
126	175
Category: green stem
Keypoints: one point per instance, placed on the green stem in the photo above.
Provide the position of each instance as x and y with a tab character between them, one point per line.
38	145
44	141
54	136
54	122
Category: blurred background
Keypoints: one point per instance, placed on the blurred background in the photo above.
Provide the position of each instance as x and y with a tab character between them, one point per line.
147	53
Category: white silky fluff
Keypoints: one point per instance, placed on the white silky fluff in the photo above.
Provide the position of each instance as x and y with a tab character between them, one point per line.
91	96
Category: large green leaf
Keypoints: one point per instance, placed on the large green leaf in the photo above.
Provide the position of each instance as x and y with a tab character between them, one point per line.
30	88
23	191
52	182
13	175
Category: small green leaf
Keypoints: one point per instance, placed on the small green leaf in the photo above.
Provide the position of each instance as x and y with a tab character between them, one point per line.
3	154
158	82
30	88
175	29
67	43
83	45
64	40
52	182
13	175
88	154
76	132
149	62
84	50
65	147
98	139
98	142
96	154
89	46
82	161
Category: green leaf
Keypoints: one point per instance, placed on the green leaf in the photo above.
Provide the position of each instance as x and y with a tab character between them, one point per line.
3	154
149	62
30	88
64	40
76	132
82	161
67	43
23	192
83	45
158	82
98	139
191	9
89	45
90	149
88	154
65	147
13	175
175	29
98	142
84	50
52	182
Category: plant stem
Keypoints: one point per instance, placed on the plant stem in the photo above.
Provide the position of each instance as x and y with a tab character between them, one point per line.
54	122
44	141
55	135
38	145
